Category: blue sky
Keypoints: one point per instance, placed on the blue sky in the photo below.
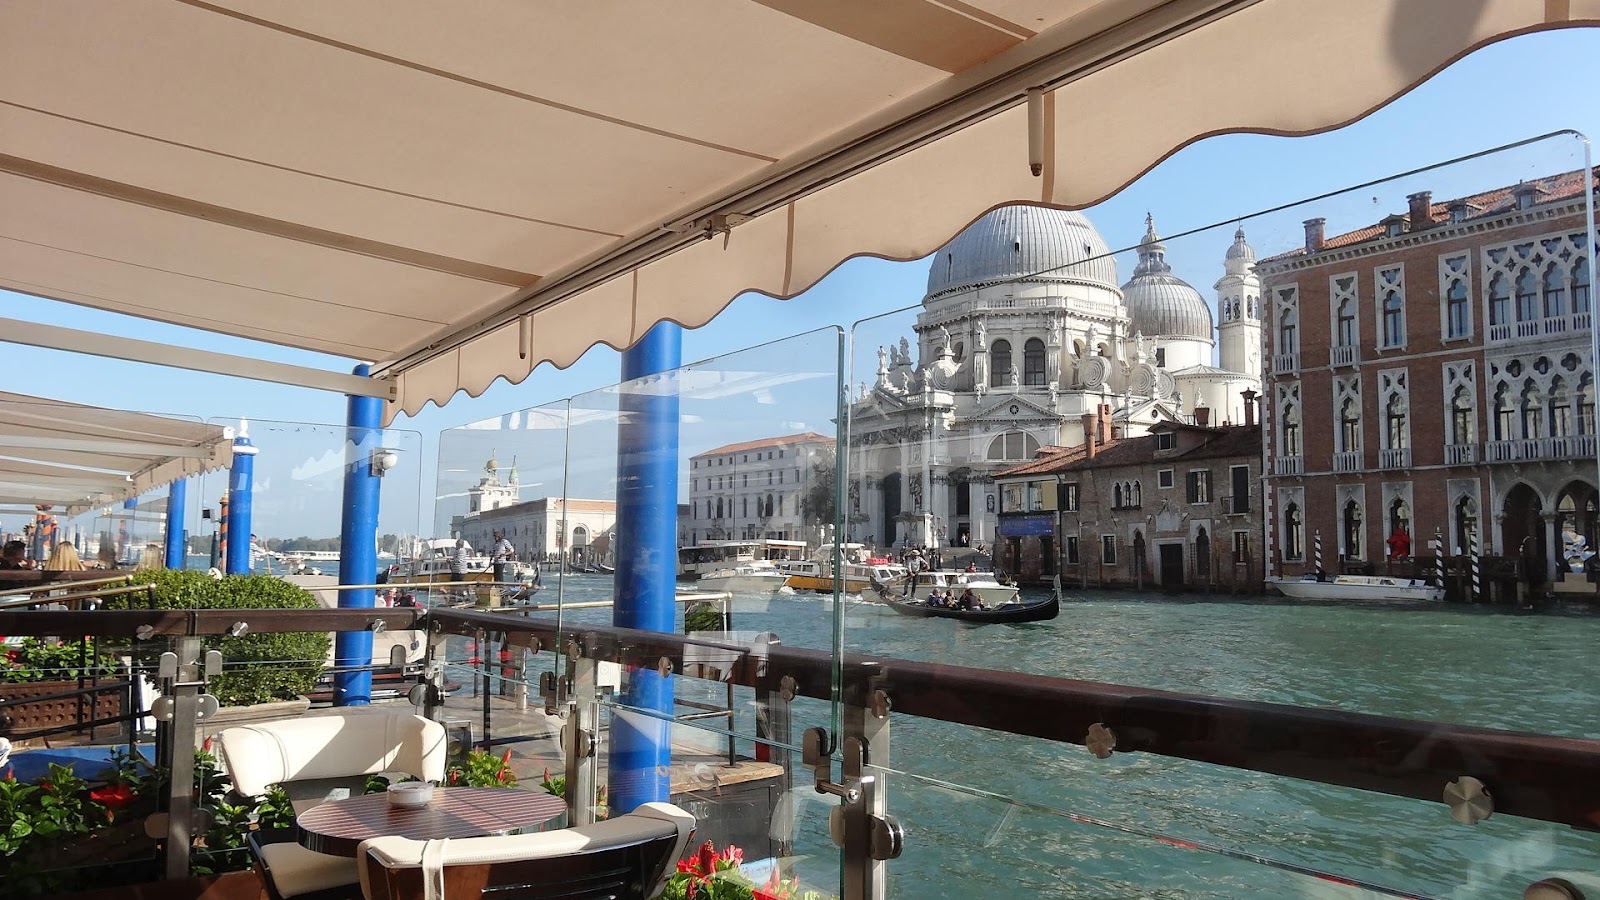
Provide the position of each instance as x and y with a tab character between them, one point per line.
1507	92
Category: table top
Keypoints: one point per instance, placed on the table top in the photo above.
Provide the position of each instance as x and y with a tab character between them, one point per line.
339	826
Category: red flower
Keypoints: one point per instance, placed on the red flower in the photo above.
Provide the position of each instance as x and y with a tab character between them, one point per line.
505	758
707	858
114	796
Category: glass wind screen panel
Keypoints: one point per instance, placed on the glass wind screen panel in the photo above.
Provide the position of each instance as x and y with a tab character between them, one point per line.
750	444
1403	374
298	494
505	476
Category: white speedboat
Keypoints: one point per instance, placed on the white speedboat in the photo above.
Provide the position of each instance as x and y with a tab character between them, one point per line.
948	582
430	562
751	578
1359	587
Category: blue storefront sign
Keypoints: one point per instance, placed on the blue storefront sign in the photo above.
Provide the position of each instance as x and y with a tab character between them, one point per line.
1016	526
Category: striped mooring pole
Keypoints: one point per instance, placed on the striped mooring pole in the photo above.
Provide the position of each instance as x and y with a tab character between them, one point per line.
1477	570
1438	554
1316	548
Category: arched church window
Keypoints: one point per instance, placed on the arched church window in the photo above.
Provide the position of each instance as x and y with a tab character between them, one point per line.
1013	445
999	363
1033	362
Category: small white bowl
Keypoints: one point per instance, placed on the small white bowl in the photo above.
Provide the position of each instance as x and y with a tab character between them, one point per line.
410	794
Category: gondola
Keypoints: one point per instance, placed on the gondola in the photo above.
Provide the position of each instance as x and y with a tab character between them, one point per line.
1010	613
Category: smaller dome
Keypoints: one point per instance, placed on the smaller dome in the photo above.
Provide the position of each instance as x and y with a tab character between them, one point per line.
1161	304
1241	248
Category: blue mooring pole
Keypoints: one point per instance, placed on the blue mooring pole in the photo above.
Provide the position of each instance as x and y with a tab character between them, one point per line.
241	494
647	545
177	500
364	464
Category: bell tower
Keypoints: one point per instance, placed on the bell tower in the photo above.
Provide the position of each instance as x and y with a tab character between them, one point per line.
1239	310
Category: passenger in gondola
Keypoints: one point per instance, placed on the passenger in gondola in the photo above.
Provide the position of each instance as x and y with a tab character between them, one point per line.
970	600
936	599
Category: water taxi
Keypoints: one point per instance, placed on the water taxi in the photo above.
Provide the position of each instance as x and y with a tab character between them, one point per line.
760	576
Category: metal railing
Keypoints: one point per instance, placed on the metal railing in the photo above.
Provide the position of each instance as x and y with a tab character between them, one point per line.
1542	777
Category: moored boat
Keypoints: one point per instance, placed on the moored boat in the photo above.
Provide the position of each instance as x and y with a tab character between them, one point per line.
1011	613
750	578
1359	587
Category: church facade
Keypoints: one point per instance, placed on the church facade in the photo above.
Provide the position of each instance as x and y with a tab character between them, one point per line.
1025	338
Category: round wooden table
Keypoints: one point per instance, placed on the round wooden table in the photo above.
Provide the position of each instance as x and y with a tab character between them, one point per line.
339	826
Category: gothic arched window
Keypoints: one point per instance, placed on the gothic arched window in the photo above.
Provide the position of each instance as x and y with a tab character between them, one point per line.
1000	363
1555	291
1033	362
1294	536
1527	296
1580	286
1499	301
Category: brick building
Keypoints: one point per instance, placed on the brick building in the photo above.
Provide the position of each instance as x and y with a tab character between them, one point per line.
1433	373
1176	508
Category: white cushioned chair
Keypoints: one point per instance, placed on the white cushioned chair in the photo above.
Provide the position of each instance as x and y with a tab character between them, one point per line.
626	858
319	750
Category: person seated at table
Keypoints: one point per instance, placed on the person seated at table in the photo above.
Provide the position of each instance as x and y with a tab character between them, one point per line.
14	557
64	558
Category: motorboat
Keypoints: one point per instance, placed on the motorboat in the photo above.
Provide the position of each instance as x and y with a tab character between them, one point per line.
750	578
817	575
948	582
702	559
1012	612
1359	587
430	562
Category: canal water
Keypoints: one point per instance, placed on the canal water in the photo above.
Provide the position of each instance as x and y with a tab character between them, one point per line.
1018	817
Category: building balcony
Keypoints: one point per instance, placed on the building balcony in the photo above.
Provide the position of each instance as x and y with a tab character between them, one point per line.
1288	465
1571	446
1394	458
1347	461
1460	454
1344	356
1283	363
1538	329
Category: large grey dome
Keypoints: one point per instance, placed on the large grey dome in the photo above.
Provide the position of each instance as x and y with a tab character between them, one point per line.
1024	242
1160	303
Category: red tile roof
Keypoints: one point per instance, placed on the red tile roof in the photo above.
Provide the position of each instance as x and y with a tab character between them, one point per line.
1224	441
1482	205
1047	460
773	442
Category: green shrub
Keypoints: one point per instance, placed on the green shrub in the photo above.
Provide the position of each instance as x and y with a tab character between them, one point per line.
259	667
36	659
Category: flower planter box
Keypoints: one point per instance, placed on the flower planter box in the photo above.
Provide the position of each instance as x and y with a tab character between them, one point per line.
48	705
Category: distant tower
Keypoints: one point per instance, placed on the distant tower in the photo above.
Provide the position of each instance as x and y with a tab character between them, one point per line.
1239	308
490	492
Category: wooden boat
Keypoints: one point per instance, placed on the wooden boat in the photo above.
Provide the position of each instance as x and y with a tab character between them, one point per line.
1009	613
1360	587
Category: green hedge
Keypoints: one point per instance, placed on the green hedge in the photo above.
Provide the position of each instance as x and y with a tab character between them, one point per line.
258	667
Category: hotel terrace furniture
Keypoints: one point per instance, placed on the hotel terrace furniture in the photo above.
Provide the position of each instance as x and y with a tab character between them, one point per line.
338	827
627	858
308	755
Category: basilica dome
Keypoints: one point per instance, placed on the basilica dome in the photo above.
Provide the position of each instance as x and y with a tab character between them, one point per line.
1161	304
1023	243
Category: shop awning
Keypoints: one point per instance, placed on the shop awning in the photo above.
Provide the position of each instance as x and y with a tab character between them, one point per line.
460	192
77	457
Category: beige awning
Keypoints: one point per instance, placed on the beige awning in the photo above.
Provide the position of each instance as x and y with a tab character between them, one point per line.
77	457
458	192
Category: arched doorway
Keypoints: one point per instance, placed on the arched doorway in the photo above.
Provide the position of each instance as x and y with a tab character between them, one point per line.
1138	556
1577	511
1202	554
890	489
1522	535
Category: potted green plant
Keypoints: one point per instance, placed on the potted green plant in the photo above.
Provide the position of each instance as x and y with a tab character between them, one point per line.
265	676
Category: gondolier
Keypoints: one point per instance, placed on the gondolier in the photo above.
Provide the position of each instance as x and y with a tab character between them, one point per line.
502	554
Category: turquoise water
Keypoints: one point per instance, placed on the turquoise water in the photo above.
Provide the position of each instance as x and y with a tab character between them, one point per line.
994	812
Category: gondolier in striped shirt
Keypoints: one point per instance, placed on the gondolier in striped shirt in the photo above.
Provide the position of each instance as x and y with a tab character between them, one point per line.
502	555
